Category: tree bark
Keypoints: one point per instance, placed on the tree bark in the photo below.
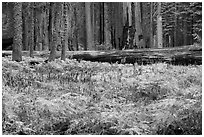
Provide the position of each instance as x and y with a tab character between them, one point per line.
32	18
132	29
41	30
127	28
107	25
96	21
101	20
151	24
17	46
138	25
76	29
38	36
184	32
175	26
45	30
159	27
64	13
26	27
58	29
89	35
53	33
129	13
119	24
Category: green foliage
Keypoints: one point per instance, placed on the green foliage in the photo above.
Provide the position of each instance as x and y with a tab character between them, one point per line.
71	97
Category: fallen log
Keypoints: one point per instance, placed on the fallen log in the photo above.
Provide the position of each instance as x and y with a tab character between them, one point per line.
177	56
185	55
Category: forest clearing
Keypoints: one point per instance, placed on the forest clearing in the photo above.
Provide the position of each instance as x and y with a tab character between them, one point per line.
101	68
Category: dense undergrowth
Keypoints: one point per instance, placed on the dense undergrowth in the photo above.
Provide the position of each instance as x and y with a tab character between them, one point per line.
71	97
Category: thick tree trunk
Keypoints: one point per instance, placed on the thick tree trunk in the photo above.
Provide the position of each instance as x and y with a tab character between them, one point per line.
89	35
107	24
132	30
96	21
138	25
65	25
53	34
119	24
58	24
127	28
130	13
112	27
38	28
26	28
17	46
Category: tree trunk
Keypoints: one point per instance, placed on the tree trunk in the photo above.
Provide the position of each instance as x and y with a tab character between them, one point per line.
17	49
101	20
53	35
32	18
159	27
26	27
132	42
107	24
64	18
40	30
184	32
151	25
45	30
175	26
118	17
37	30
96	21
50	26
76	29
23	29
58	28
92	24
127	27
89	35
138	25
132	29
130	13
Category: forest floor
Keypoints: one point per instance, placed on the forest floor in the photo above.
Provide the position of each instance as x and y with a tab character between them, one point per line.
82	97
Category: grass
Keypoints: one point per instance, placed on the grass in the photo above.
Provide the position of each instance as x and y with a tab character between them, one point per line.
71	97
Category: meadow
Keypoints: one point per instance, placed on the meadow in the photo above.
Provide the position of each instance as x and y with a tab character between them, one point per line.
80	98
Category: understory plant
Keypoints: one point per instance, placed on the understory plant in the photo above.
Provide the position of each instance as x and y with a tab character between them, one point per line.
82	97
